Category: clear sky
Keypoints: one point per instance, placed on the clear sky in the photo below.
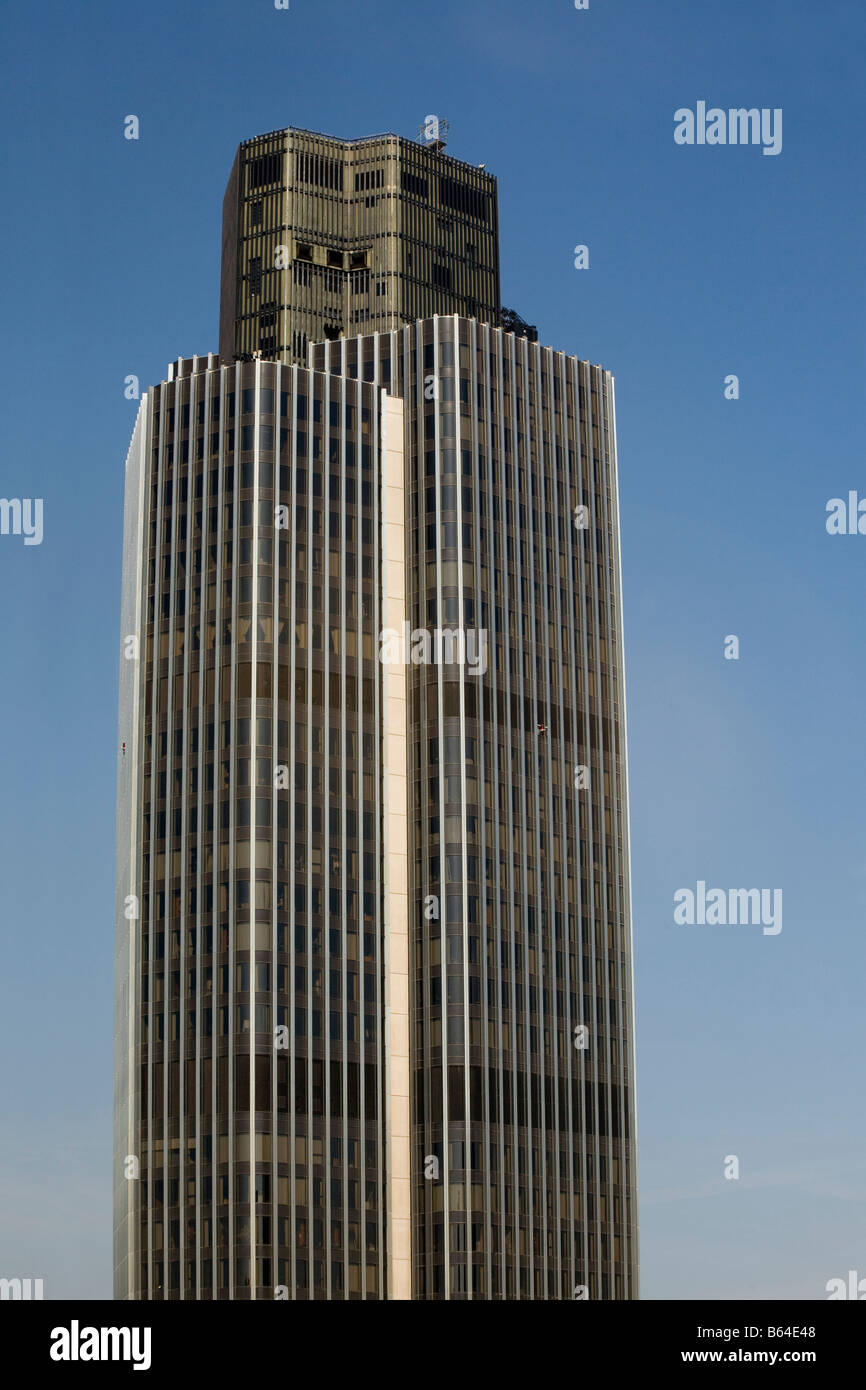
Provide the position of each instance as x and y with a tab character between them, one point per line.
703	262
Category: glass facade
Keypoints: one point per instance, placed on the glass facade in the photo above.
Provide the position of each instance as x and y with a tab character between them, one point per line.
522	1037
250	1047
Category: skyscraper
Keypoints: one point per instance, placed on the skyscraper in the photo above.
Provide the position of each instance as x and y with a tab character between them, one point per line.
374	1020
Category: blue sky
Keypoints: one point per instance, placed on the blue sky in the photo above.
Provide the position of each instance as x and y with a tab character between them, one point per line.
703	262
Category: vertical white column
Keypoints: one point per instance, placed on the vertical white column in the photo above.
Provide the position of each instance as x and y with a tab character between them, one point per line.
396	861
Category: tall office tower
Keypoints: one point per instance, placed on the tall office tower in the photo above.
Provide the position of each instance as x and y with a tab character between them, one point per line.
374	1025
323	238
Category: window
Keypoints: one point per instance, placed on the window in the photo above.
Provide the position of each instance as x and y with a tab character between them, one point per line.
460	197
368	178
266	169
318	169
413	183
